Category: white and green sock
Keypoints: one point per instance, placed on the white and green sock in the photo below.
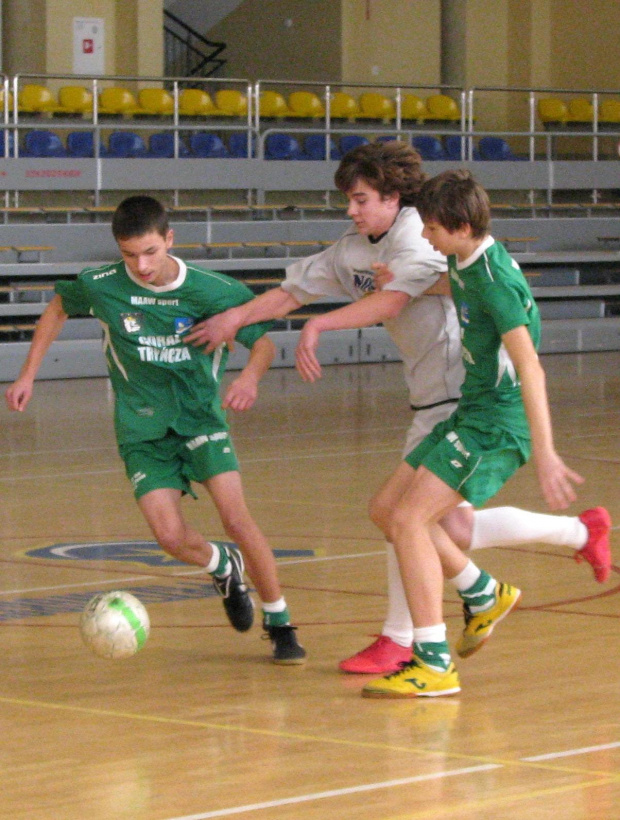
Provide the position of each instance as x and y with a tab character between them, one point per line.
276	613
430	646
476	588
219	564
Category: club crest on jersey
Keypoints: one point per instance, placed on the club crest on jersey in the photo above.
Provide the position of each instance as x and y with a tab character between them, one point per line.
182	324
132	322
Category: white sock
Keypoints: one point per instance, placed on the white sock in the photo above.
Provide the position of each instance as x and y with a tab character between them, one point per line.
430	634
398	624
274	606
466	578
507	526
215	558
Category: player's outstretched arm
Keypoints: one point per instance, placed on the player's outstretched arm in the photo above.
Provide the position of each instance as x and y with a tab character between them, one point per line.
377	307
48	327
212	332
242	392
555	478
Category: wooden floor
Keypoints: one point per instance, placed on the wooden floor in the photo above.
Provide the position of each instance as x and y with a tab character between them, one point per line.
200	724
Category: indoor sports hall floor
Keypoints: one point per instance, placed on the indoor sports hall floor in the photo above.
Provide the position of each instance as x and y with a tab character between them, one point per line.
200	724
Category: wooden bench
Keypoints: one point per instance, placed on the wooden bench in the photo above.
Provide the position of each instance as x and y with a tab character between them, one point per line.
229	247
517	240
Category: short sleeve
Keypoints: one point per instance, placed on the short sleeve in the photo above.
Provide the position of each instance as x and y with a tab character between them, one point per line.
314	277
508	307
74	296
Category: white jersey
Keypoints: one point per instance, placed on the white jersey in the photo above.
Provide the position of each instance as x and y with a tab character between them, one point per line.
426	331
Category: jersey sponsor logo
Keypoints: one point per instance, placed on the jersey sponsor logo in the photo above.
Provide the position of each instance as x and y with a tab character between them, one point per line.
364	281
182	324
136	478
153	300
104	274
167	355
132	322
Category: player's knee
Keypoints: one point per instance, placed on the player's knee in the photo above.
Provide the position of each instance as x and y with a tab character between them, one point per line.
171	538
378	512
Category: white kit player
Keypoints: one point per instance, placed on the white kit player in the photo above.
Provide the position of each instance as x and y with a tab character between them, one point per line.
393	275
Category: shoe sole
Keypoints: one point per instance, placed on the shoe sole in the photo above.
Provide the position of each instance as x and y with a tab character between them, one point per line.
385	670
467	653
289	661
402	696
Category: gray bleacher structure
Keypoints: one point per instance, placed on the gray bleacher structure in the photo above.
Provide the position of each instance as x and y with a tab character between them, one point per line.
559	217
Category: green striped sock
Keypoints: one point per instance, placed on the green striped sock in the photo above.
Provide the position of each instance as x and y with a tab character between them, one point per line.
435	655
481	595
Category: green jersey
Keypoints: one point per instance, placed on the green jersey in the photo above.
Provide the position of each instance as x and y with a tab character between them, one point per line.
160	383
492	297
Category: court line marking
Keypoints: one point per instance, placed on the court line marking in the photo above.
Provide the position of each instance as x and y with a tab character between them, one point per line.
572	752
307	798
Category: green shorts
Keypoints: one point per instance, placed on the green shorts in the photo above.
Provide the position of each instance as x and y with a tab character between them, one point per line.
174	461
473	462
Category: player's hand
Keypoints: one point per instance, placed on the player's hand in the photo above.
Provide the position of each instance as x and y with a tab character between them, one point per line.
556	481
19	394
241	393
306	361
383	275
213	332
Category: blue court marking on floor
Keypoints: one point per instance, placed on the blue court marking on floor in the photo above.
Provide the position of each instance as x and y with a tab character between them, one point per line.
76	601
146	553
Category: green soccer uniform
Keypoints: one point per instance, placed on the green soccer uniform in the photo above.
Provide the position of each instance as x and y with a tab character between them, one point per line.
165	390
487	438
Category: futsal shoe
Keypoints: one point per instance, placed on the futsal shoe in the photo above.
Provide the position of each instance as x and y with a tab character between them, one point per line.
415	679
380	658
597	551
234	593
479	626
287	651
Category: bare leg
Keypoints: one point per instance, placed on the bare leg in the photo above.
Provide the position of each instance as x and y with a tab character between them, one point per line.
162	511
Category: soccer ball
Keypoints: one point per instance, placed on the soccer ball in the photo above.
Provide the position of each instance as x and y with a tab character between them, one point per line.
114	625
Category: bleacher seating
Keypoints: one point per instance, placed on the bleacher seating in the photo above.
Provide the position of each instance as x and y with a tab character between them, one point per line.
442	108
208	145
271	104
155	102
376	106
314	147
195	102
305	104
126	145
429	148
240	142
117	101
43	143
82	144
282	146
495	148
34	98
75	99
162	145
230	103
350	141
343	106
413	108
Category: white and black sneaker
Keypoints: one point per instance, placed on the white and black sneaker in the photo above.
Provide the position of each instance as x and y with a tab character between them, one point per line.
234	593
287	650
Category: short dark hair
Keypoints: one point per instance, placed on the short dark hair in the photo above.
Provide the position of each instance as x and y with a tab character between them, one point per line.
138	215
454	199
392	167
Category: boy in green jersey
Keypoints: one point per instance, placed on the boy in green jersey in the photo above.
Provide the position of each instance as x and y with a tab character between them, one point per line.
503	414
169	419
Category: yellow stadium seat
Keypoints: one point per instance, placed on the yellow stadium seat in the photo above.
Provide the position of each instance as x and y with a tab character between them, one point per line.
194	102
305	104
343	106
231	103
376	106
552	109
36	99
442	107
117	100
2	99
609	111
272	104
156	102
75	99
413	108
580	109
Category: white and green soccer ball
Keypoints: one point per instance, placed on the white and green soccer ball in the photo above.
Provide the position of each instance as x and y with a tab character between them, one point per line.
115	625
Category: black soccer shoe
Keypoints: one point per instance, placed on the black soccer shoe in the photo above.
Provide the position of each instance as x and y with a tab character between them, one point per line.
234	593
287	651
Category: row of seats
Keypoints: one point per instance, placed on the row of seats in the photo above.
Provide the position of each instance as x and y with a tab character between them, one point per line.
553	110
193	102
207	144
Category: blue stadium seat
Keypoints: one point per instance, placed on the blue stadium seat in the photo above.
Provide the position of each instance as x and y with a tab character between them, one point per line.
126	145
40	143
452	145
207	145
161	145
429	148
82	144
238	145
11	143
495	148
314	146
282	146
351	141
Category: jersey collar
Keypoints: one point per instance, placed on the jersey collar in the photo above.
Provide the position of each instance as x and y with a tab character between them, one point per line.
484	245
163	288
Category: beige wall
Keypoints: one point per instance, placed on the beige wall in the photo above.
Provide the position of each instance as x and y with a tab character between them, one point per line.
282	39
133	35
